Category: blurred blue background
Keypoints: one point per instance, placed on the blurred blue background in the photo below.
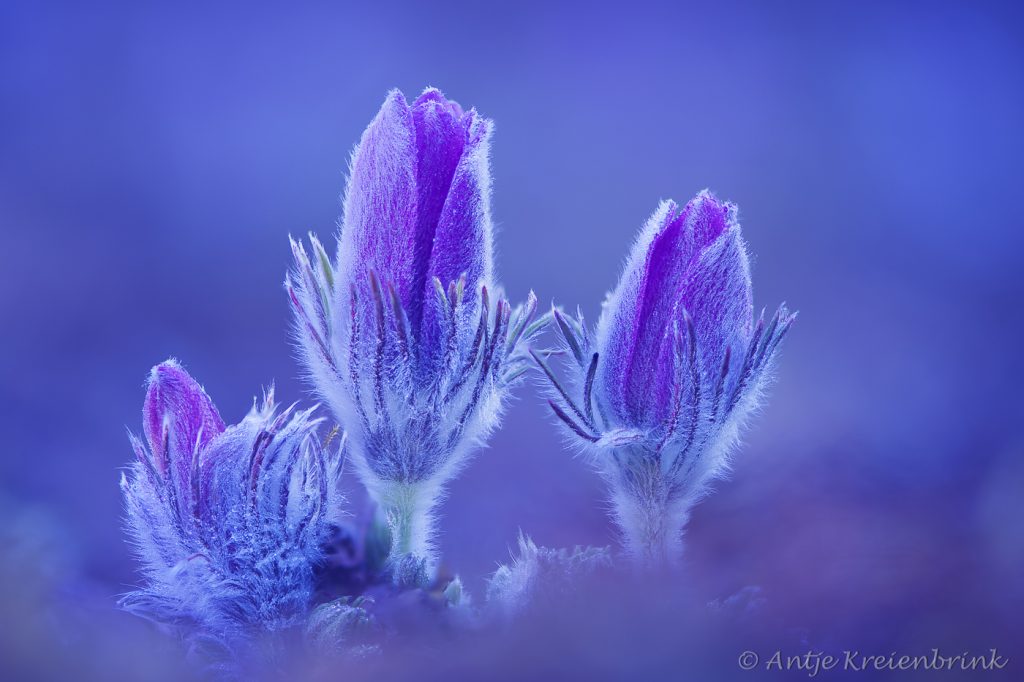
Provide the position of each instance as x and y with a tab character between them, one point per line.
153	161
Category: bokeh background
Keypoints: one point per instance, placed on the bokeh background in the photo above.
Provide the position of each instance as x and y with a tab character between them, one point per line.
154	159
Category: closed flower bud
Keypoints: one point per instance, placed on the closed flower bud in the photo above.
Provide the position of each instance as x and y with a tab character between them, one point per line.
405	335
676	364
227	521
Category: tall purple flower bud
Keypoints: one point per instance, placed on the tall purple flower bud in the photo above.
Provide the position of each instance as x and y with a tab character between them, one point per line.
675	366
226	521
405	335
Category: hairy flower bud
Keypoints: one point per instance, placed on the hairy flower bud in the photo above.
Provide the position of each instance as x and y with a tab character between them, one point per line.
403	335
227	521
675	366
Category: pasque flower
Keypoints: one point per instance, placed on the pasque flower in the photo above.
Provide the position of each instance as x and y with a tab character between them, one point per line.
676	364
405	335
226	520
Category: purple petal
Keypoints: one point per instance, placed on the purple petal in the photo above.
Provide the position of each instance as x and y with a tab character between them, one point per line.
462	242
178	417
650	367
441	136
718	295
380	218
621	325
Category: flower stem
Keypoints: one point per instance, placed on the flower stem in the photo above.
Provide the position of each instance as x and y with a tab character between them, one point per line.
408	510
650	518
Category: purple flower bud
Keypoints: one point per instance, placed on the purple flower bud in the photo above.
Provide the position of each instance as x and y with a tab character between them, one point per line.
178	418
676	364
227	522
689	261
404	336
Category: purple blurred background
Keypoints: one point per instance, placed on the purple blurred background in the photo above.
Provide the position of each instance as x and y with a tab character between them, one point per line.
153	162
